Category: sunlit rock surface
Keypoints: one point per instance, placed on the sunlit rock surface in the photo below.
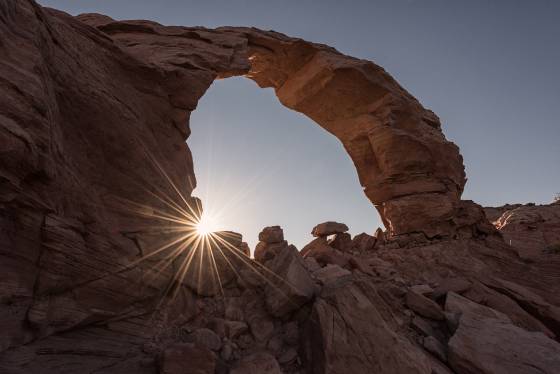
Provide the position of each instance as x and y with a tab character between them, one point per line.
101	268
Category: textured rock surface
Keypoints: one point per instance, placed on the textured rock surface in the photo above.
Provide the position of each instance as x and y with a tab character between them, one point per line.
99	271
532	230
493	346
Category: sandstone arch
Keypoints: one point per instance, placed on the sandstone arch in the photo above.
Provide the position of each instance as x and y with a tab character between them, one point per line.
408	170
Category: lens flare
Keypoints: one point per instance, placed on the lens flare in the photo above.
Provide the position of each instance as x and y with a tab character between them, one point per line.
206	225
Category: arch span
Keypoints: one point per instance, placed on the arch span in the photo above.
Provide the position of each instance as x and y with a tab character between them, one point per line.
411	173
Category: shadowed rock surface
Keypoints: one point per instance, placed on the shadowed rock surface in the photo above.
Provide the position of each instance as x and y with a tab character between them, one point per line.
100	270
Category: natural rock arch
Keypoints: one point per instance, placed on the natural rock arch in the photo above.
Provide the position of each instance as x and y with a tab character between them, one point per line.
409	171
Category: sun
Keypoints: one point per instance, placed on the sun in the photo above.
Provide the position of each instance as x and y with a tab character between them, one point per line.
206	225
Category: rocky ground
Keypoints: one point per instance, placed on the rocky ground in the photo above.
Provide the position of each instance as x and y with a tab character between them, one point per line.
100	267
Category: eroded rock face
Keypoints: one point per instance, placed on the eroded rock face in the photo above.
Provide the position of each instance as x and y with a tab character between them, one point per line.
532	230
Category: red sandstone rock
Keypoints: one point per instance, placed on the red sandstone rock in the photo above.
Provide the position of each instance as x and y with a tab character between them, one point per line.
328	228
272	234
532	230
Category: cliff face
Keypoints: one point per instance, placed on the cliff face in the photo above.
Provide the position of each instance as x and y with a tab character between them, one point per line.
97	267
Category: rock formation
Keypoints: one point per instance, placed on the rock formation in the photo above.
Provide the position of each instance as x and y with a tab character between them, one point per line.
100	267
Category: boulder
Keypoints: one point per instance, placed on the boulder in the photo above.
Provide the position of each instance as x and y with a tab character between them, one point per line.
331	273
364	242
451	284
486	345
272	234
460	306
342	242
346	333
207	338
424	306
323	253
266	251
290	285
183	358
257	363
435	347
483	295
328	228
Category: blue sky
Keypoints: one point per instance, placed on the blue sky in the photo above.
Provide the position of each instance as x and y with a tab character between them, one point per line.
489	69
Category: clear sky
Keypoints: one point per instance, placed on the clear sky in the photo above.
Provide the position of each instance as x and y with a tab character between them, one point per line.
489	69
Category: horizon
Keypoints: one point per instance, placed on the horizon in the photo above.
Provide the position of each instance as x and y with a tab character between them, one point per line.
485	105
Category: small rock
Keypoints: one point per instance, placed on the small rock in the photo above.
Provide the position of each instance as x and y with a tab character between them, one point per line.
235	328
272	234
288	356
422	289
293	286
267	251
331	273
291	333
262	328
458	285
244	248
364	242
433	346
380	236
227	351
275	344
234	313
424	306
176	358
312	264
342	242
328	228
257	363
207	338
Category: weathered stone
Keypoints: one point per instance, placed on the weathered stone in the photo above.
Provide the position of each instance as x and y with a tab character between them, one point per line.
235	328
530	229
342	242
456	284
181	358
422	289
267	251
433	346
462	306
207	338
424	306
257	363
292	286
499	302
288	356
328	228
493	346
331	273
364	242
323	253
346	333
272	234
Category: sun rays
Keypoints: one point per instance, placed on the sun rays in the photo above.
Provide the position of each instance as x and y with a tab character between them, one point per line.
182	245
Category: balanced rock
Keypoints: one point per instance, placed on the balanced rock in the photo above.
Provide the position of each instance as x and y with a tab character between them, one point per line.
328	228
